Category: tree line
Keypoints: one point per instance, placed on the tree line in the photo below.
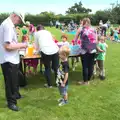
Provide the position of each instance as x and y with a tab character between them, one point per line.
76	13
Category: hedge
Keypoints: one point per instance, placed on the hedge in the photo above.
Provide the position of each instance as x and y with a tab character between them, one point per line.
45	19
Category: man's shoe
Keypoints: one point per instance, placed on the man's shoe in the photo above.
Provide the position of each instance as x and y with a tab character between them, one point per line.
13	107
19	97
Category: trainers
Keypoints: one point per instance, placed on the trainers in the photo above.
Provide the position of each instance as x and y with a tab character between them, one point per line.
49	86
52	71
94	73
46	85
83	83
62	103
102	77
41	71
60	100
73	69
76	65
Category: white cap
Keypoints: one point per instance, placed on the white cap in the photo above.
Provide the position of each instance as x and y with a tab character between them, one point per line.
21	15
27	23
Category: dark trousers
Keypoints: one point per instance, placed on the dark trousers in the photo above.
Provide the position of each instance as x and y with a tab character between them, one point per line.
57	26
87	66
101	67
10	73
47	59
104	29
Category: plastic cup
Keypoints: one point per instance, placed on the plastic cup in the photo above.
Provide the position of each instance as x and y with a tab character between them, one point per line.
30	50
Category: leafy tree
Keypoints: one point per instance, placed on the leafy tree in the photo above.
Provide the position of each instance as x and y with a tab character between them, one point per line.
103	15
3	16
78	8
115	13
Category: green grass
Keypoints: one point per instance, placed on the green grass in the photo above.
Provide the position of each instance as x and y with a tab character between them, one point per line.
98	101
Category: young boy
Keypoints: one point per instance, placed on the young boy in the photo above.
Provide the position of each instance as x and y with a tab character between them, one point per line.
62	75
101	47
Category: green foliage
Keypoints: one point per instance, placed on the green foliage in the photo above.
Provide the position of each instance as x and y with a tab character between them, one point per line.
38	19
76	13
78	8
45	18
116	14
3	16
101	15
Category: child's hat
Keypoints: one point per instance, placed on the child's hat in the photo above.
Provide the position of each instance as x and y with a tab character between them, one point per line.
27	23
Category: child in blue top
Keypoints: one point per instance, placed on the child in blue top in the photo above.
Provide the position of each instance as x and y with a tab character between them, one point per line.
116	38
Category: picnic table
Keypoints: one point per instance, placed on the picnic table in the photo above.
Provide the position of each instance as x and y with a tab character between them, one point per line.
23	66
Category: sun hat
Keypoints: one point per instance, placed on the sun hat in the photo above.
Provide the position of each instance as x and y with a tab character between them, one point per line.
27	23
21	15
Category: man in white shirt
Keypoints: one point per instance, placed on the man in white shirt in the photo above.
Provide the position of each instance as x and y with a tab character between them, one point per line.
101	23
104	29
49	52
9	57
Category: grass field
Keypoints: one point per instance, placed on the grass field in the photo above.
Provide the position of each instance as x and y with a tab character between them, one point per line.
98	101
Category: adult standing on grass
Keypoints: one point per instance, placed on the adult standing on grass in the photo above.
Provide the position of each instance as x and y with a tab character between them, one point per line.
104	29
100	23
49	51
9	57
88	38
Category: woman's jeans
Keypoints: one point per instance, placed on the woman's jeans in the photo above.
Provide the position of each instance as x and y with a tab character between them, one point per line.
87	65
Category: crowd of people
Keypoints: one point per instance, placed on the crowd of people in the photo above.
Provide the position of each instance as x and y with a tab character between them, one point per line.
65	27
112	33
54	55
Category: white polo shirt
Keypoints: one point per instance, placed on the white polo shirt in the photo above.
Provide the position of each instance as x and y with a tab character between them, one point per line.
44	40
8	34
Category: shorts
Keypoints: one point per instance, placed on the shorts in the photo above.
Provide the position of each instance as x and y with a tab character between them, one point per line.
63	90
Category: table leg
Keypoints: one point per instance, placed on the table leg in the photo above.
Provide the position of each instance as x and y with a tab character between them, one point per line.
24	71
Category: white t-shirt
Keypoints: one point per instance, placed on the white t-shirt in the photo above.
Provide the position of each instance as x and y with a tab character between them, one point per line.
44	41
105	25
100	24
64	43
8	34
